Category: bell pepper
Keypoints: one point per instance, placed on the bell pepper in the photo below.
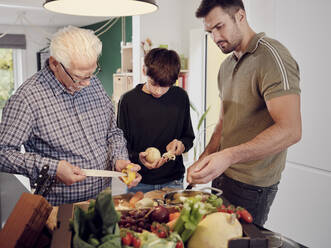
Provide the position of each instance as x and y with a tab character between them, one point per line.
131	175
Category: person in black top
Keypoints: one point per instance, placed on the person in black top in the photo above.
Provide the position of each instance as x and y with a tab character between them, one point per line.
157	114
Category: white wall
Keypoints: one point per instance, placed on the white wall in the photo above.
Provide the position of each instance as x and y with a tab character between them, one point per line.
171	24
301	208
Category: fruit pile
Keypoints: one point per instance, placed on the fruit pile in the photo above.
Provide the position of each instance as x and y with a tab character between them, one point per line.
142	219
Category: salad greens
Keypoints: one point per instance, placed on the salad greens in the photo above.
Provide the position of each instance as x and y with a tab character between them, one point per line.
151	240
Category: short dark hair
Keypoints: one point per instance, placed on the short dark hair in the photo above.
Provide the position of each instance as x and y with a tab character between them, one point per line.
230	6
162	66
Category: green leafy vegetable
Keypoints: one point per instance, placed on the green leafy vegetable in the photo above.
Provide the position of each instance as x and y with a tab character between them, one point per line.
97	227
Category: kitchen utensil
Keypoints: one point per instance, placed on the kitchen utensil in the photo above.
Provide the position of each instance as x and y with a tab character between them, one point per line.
103	173
44	182
190	186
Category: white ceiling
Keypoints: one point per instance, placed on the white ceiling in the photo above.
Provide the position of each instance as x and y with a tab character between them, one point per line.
31	12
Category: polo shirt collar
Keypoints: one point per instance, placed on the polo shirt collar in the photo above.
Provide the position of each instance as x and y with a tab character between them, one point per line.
253	44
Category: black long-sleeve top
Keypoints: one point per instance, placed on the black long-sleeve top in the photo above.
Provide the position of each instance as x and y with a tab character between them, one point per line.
154	122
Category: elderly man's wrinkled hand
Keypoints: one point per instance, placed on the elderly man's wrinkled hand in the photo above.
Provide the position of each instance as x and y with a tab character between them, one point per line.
68	173
133	177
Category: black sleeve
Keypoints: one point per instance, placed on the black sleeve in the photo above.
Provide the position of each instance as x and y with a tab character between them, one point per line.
187	133
124	124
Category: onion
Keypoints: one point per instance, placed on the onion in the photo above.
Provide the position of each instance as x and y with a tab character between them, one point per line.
153	154
160	214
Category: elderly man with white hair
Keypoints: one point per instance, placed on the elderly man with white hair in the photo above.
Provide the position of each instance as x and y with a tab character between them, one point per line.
64	119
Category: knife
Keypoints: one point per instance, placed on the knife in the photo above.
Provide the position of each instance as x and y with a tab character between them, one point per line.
102	173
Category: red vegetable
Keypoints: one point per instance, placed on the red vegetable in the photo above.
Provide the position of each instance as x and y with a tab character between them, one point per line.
161	230
160	214
127	239
222	209
179	244
231	209
136	242
246	216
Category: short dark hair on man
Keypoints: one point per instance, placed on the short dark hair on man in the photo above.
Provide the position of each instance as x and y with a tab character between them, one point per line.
229	6
162	66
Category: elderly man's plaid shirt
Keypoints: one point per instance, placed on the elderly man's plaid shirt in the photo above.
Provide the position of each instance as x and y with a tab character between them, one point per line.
54	125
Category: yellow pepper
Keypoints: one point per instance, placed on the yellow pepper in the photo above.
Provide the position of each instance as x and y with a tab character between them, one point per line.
131	175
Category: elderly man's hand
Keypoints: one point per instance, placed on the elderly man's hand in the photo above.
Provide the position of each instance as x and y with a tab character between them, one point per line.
122	164
68	173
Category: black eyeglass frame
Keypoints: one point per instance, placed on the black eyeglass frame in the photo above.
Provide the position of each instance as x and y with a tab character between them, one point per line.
77	81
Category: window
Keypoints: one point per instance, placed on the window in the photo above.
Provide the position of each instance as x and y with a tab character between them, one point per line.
10	73
6	76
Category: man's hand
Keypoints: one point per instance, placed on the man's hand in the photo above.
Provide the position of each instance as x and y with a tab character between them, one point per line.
176	147
209	167
68	173
157	164
122	164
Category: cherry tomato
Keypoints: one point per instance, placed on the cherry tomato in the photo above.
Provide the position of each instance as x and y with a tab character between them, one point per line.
231	209
161	230
179	244
238	214
127	239
246	216
222	209
162	234
136	242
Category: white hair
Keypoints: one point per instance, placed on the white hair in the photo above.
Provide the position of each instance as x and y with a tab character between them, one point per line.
75	44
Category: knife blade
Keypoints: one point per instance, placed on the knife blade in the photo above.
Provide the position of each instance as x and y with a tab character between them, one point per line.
102	173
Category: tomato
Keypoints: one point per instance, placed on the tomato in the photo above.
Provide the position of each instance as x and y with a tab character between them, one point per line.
222	209
179	244
127	239
161	230
136	242
230	209
162	234
246	216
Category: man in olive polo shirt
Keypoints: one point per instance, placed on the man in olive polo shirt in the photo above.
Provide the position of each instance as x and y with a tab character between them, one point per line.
260	111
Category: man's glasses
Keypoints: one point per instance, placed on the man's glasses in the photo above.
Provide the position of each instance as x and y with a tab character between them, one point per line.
77	81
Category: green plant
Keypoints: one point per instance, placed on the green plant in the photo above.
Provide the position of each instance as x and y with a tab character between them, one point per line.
198	142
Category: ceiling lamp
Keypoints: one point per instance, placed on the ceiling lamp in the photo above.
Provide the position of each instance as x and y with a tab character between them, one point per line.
101	7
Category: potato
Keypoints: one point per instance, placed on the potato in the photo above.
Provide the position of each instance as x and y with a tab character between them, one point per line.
215	231
153	154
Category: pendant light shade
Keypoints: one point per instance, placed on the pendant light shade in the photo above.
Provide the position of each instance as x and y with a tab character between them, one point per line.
101	7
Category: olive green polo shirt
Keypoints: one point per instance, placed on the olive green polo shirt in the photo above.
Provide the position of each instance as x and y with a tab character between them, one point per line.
265	71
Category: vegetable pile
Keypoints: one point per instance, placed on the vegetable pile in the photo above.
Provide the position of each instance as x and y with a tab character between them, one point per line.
200	221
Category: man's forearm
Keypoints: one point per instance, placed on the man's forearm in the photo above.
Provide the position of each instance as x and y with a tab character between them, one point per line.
271	141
